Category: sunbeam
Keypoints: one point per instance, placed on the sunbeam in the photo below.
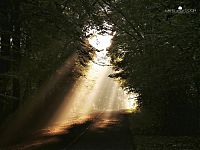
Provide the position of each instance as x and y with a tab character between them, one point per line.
100	42
95	92
65	101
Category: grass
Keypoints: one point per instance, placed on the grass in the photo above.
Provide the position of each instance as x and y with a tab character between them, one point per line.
146	135
166	142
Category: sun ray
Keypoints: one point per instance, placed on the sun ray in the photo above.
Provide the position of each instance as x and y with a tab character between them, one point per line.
95	92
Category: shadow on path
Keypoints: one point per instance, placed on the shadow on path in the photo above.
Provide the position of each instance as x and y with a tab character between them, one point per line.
104	131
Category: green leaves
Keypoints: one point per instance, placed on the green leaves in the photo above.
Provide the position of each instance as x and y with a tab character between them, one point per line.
156	53
48	33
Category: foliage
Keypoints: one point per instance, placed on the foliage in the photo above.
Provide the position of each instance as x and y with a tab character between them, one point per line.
156	54
37	37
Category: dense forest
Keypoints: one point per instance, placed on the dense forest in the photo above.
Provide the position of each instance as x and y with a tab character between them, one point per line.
36	39
157	55
154	53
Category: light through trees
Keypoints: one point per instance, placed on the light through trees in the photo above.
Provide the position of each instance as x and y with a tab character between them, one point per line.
96	92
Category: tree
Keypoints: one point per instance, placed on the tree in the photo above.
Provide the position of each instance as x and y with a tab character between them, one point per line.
36	39
156	54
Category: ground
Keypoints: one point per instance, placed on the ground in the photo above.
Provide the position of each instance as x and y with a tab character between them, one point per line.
100	131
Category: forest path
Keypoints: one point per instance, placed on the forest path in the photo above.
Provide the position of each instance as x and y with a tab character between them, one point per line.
100	131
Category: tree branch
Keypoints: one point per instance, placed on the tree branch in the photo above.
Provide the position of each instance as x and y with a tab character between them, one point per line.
116	23
124	16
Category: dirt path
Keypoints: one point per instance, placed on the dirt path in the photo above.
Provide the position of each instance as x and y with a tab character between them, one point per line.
107	133
100	131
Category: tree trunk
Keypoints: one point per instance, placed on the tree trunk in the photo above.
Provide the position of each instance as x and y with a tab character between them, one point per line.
5	54
16	51
5	33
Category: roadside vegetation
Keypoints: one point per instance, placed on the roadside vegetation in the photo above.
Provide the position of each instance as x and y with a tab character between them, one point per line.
155	53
